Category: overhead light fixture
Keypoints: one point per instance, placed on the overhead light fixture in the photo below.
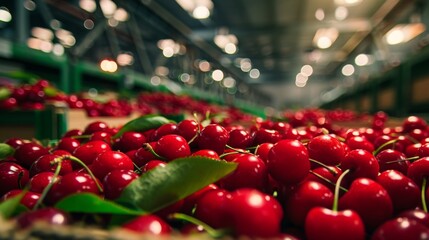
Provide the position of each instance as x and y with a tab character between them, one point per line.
108	65
5	15
228	82
307	70
319	14
88	5
325	37
301	80
348	2
254	73
348	70
226	42
363	59
402	33
341	13
245	65
108	7
204	66
125	59
217	75
199	9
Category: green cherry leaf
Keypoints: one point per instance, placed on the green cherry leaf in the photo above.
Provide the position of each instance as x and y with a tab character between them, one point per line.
180	178
11	206
6	150
91	203
142	124
4	93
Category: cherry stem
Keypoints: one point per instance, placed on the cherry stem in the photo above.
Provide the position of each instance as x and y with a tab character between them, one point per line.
214	233
327	180
403	160
51	183
73	158
423	194
81	136
384	145
325	166
337	190
236	149
149	148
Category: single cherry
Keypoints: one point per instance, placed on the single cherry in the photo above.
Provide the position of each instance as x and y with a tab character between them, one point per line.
214	137
148	224
108	161
28	153
12	176
115	182
326	149
172	146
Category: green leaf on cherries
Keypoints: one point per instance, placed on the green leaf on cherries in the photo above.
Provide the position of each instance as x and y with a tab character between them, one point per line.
142	124
50	91
11	206
91	203
180	178
6	150
4	93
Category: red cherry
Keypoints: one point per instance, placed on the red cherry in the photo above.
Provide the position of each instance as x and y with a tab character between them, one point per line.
188	129
288	161
264	135
143	155
214	137
28	153
29	199
262	151
190	201
50	215
129	141
9	103
102	136
39	181
165	129
362	164
74	182
254	214
370	200
359	142
326	149
326	224
115	182
211	208
46	163
413	122
321	174
148	224
401	228
303	198
96	126
72	133
418	170
413	150
424	150
398	185
68	144
111	160
172	146
392	159
251	172
87	152
153	164
417	214
239	138
206	153
12	176
15	142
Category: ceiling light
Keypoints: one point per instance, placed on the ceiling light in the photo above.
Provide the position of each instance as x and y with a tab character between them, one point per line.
230	48
254	73
199	9
168	52
319	14
108	65
301	78
348	70
341	13
162	71
348	2
204	66
228	82
29	5
108	7
201	12
217	75
155	80
245	65
58	49
120	15
325	37
307	70
185	77
402	33
88	24
125	59
5	15
42	33
88	5
362	59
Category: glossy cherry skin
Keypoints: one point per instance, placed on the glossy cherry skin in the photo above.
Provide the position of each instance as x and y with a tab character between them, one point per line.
165	129
148	224
413	150
254	214
370	200
46	163
418	170
39	181
143	155
326	149
304	197
190	201
413	122
262	151
206	153
211	208
214	137
111	160
29	199
326	224
89	151
362	164
172	146
12	176
417	214
153	164
188	129
74	182
288	161
321	174
50	215
69	144
102	136
399	185
359	142
15	142
401	228
251	172
392	159
239	138
96	126
115	182
28	153
264	135
129	141
424	150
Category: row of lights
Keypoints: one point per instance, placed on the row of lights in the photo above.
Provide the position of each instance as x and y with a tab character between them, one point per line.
302	77
199	9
